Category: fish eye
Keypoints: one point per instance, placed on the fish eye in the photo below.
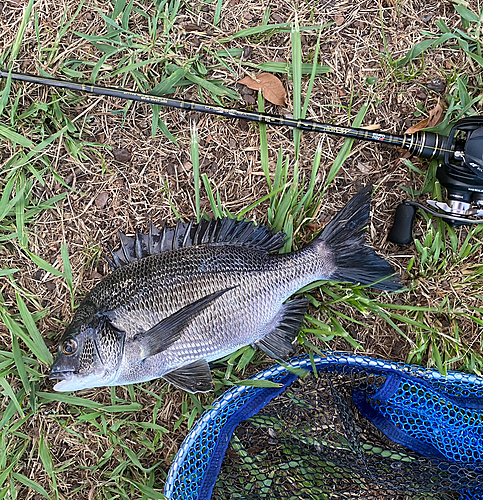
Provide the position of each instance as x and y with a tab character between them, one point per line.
69	346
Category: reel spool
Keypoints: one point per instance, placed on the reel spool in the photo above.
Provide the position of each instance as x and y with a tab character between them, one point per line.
461	174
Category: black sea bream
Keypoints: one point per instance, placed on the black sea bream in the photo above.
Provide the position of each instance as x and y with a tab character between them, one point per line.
184	297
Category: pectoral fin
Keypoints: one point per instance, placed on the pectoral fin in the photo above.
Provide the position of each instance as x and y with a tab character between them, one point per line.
167	331
195	377
278	344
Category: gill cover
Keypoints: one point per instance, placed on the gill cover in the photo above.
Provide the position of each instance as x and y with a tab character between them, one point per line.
89	355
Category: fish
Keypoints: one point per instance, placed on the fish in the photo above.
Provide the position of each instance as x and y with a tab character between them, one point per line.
180	298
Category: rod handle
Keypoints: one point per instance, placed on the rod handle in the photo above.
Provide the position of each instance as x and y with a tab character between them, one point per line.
426	145
402	229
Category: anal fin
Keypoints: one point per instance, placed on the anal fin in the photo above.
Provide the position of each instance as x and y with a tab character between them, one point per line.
195	377
278	344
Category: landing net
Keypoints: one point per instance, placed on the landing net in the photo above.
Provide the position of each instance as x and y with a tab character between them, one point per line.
355	427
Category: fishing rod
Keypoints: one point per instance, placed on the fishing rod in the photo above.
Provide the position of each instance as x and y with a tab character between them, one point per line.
422	144
460	154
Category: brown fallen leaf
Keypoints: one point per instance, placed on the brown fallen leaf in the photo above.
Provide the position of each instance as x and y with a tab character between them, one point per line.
270	87
365	168
101	200
373	126
191	27
122	155
314	226
435	117
339	20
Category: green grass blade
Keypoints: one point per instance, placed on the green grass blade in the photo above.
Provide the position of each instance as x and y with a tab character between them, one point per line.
9	392
346	148
46	459
313	73
44	264
7	204
10	135
7	272
259	383
19	363
150	493
287	68
271	29
297	82
20	213
283	208
166	86
4	475
34	340
213	204
288	229
277	184
195	161
67	271
213	88
162	126
308	201
69	400
30	484
14	52
263	142
216	19
263	199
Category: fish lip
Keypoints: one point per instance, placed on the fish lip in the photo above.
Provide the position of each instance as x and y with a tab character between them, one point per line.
61	375
65	379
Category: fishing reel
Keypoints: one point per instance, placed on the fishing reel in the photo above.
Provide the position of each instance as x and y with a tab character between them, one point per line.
460	172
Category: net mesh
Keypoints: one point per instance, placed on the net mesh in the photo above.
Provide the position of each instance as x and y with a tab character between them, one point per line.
361	428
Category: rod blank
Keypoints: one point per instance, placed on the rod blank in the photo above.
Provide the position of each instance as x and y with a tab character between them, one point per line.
422	144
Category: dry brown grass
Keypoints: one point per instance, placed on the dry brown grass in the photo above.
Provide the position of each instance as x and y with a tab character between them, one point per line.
108	195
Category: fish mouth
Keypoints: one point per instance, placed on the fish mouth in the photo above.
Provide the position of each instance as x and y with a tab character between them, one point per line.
70	380
61	375
65	378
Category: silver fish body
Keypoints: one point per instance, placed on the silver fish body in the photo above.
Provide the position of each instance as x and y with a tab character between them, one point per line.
170	313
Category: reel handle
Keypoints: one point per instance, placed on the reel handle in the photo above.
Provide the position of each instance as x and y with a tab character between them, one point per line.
402	229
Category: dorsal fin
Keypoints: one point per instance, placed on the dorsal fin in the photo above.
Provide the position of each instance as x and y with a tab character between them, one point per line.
210	232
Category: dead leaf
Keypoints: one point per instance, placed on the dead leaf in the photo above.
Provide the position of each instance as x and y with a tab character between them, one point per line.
339	20
191	27
365	168
314	226
122	155
101	200
374	126
270	87
435	117
96	276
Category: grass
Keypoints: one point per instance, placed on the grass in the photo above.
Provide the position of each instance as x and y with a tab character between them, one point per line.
56	149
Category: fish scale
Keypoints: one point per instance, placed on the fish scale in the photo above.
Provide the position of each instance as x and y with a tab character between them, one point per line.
281	276
207	290
236	319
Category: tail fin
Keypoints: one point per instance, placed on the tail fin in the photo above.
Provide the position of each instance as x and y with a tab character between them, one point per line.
356	262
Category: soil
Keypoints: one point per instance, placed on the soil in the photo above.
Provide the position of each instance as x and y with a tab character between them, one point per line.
126	178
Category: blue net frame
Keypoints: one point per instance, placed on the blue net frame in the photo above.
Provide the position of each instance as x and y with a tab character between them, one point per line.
437	417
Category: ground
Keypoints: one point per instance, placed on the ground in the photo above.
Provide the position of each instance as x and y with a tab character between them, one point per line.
112	172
